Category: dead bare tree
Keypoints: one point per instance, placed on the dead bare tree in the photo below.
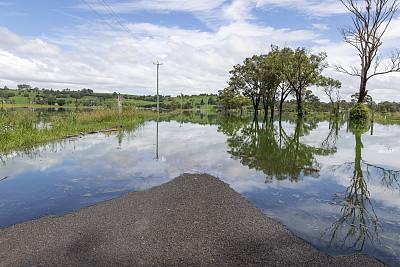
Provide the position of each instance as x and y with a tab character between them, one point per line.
370	21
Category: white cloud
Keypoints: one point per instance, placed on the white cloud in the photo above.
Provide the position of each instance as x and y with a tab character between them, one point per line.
164	5
321	27
194	61
15	14
34	47
315	8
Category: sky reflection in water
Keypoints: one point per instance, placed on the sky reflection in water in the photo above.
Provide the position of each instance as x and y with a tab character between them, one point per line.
352	204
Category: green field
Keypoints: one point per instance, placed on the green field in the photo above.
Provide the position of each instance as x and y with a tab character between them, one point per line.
87	98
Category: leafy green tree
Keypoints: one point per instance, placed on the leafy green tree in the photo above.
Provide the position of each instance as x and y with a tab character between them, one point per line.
23	86
61	102
367	99
250	79
300	69
331	88
231	99
211	101
272	80
311	100
226	97
51	100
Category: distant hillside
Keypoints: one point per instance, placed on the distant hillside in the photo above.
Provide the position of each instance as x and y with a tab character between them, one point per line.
27	96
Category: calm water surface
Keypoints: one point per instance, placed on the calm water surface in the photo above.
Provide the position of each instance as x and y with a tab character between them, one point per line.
351	205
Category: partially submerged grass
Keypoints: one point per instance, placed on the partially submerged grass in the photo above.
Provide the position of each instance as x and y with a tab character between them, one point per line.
22	131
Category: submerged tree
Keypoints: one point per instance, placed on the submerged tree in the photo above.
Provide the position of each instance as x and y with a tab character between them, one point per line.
371	19
331	88
229	98
272	80
300	69
249	79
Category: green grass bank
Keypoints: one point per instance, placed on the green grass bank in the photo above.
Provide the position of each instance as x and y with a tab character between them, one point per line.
23	130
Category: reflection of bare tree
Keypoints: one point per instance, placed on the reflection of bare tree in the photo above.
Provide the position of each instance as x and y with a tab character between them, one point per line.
389	178
359	223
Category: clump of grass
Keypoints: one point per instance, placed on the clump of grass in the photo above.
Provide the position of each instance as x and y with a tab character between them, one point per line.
21	131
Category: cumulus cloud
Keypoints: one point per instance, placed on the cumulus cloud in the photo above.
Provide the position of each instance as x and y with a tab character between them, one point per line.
33	47
194	61
91	54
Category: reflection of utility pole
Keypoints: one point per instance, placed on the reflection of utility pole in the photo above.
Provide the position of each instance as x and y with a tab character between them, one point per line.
180	125
158	107
158	110
157	142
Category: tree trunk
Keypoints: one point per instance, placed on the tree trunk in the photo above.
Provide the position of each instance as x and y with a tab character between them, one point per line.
363	89
299	104
272	106
280	108
266	106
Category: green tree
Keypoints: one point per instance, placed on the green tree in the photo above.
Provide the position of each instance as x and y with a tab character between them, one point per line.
61	102
367	99
24	87
311	100
226	97
300	69
331	88
249	79
51	100
272	80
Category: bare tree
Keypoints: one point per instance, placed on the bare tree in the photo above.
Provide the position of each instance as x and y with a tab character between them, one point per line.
370	22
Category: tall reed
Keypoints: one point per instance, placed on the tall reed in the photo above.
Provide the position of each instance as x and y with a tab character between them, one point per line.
22	131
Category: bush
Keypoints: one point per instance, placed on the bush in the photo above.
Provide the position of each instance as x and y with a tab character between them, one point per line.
359	112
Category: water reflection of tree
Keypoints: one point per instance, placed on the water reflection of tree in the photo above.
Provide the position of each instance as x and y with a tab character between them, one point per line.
359	223
270	149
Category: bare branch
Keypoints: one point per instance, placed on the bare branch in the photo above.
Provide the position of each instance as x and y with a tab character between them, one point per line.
371	19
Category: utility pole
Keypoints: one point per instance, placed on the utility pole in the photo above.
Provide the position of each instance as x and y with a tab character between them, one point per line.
158	110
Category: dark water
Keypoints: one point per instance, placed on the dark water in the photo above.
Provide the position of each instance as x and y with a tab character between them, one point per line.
352	204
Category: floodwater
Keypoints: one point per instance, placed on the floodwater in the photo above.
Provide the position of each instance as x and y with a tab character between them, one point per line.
334	185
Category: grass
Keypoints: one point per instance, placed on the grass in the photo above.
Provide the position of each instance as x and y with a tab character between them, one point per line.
22	131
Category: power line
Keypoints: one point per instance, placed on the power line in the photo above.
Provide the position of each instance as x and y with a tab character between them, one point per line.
117	18
120	22
101	17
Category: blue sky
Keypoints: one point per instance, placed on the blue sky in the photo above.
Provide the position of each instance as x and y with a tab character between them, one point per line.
65	44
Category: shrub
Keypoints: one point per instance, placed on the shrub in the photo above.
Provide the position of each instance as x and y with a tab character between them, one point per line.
359	112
